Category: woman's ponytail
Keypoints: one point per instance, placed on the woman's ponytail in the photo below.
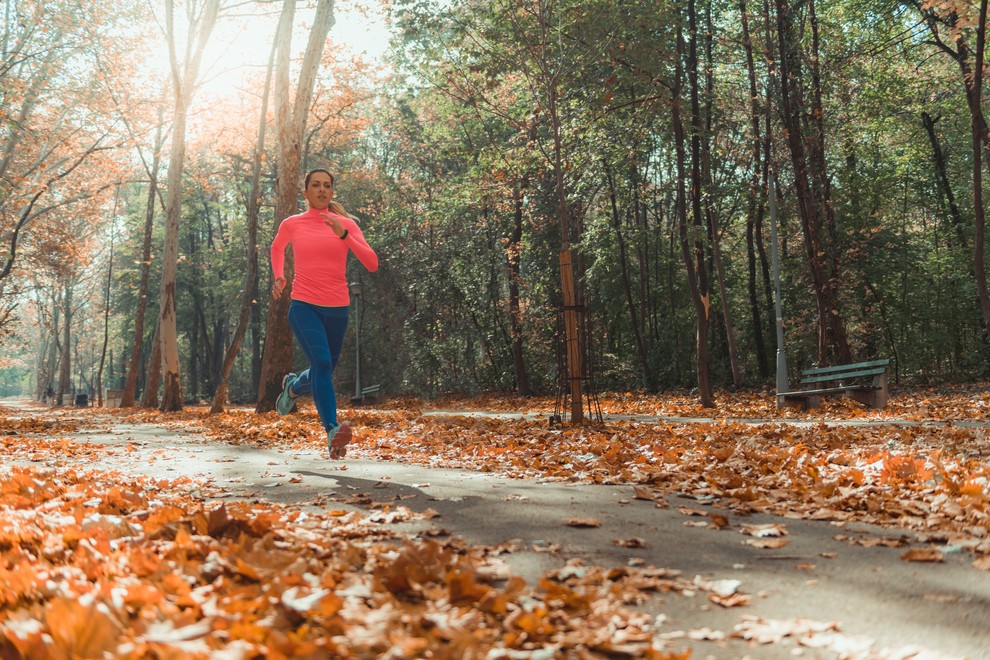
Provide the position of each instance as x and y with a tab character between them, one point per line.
335	207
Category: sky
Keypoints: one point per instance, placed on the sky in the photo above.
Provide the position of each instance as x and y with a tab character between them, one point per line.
241	43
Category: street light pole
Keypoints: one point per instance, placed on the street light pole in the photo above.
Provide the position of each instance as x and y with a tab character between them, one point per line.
355	288
782	381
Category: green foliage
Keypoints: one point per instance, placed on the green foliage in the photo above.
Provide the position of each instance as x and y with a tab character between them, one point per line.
502	114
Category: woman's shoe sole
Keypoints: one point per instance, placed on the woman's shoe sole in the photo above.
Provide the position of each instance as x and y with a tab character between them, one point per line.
339	442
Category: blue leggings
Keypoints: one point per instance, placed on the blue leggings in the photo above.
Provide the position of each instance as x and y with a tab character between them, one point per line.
320	333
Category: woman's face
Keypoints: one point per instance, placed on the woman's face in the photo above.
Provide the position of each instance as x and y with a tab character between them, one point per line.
319	192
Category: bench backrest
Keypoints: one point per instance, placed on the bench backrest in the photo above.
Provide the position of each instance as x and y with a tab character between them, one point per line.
843	371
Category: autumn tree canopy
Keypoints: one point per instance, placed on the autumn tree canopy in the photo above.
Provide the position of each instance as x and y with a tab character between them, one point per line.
477	143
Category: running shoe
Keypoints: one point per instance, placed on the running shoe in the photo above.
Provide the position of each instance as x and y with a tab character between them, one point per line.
285	400
337	438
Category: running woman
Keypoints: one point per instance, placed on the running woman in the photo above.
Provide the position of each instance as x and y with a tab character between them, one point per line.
321	239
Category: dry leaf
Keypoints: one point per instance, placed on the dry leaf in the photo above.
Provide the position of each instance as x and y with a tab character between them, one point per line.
922	555
718	520
762	531
687	511
583	522
771	544
734	600
633	542
643	493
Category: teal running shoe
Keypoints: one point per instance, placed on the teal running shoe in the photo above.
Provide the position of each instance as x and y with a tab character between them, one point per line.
285	400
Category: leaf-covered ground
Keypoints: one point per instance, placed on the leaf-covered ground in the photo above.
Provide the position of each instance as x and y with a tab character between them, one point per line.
931	479
102	562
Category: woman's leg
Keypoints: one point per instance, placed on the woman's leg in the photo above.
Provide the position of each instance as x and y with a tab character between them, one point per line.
335	326
320	333
303	384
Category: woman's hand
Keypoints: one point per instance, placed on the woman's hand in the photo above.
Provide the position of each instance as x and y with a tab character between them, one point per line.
277	287
333	223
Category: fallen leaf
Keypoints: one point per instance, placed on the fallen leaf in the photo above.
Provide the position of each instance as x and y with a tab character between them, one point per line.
692	512
633	542
718	520
771	544
735	600
583	522
643	493
922	555
762	531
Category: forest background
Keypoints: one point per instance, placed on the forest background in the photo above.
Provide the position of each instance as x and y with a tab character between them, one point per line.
492	152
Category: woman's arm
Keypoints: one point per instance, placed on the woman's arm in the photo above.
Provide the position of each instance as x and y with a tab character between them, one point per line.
359	246
277	255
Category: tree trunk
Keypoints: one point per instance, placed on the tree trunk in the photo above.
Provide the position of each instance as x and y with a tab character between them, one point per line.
127	397
647	324
823	188
693	252
941	169
106	313
65	362
972	74
768	130
55	350
149	398
832	342
648	377
572	331
47	344
979	135
251	276
184	84
754	203
291	114
708	192
513	257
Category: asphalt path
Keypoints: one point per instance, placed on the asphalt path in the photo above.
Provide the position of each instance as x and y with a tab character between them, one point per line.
876	605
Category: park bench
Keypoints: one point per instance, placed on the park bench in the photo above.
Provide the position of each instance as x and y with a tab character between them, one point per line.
865	382
369	394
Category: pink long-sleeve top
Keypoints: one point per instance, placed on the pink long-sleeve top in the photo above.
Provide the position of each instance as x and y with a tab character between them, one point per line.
320	257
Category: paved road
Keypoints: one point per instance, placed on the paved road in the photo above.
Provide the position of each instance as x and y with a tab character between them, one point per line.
884	607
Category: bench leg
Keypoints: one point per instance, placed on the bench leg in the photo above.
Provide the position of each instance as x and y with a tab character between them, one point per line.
871	398
874	398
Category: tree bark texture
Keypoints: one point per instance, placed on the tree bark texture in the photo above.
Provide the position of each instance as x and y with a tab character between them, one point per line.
129	395
692	248
184	85
833	345
754	204
251	276
942	170
291	114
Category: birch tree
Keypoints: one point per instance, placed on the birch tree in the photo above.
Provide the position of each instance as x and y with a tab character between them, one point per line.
199	24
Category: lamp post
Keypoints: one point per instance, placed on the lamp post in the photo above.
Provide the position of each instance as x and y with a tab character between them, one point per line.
355	288
782	381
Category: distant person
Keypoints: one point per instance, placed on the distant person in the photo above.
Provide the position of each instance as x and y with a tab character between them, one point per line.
321	239
49	393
